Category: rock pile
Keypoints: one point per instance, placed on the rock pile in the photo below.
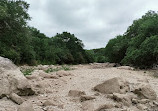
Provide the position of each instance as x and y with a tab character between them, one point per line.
43	82
56	91
142	97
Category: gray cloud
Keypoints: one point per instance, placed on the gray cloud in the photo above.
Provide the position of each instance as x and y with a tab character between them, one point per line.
92	21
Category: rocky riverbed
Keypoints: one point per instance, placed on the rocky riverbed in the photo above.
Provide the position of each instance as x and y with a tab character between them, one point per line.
93	87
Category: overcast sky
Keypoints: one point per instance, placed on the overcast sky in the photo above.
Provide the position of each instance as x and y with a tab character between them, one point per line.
92	21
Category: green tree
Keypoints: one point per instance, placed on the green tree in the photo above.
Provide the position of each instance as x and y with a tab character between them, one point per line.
72	47
138	46
116	49
13	31
145	56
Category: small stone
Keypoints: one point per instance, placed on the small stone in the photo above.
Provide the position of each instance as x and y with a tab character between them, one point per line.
26	106
109	96
126	67
125	99
106	106
48	76
124	110
144	101
118	105
76	93
86	98
63	73
61	106
156	103
142	107
15	98
87	106
134	101
48	91
31	77
96	94
49	103
151	104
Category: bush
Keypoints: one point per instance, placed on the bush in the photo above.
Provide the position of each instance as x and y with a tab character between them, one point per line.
27	71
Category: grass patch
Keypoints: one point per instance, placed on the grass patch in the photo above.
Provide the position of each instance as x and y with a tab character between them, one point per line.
64	67
27	71
52	70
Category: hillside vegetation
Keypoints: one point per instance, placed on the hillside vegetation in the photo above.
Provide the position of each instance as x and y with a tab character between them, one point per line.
23	44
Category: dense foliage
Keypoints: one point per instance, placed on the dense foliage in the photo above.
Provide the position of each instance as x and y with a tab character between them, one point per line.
26	45
14	40
139	45
97	55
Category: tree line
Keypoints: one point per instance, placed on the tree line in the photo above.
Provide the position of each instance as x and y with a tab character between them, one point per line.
23	44
27	45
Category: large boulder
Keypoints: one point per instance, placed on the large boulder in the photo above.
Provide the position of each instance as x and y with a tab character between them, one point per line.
12	80
114	85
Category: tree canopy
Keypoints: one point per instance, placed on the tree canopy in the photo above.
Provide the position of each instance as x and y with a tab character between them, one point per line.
138	46
27	45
